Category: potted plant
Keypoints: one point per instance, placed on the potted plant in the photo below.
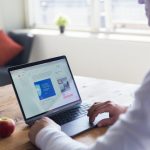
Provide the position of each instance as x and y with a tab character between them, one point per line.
61	22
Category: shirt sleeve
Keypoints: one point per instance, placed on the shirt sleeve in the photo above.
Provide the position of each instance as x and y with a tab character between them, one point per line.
51	139
130	132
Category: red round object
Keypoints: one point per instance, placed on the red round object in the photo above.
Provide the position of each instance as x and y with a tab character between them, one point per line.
7	127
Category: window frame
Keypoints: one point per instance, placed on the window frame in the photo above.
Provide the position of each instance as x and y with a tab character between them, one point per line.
95	22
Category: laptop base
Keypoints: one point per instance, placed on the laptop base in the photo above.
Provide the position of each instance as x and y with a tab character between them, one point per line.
77	126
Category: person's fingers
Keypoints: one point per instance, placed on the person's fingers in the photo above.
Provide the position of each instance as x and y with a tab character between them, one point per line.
45	119
106	122
37	121
97	105
106	106
98	111
31	134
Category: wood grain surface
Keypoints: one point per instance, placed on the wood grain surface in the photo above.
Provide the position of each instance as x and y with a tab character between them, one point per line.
91	90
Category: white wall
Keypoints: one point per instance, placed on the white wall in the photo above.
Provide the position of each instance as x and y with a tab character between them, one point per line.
125	61
12	14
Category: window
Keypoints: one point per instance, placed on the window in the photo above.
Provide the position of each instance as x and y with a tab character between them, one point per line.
92	15
46	11
128	14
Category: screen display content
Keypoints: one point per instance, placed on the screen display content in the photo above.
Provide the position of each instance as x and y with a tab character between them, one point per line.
44	87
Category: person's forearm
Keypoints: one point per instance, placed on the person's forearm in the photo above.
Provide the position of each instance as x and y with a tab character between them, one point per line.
49	139
122	136
130	132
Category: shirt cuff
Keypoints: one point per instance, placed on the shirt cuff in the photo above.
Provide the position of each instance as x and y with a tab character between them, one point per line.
44	135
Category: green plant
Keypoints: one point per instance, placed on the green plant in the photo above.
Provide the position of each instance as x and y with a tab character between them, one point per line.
61	21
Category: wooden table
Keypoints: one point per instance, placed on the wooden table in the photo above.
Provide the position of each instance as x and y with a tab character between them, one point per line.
91	89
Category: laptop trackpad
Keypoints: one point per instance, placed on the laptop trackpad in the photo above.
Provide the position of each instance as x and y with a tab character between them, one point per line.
82	124
77	126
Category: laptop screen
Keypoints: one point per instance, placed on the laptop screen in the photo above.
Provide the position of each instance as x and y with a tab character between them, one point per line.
44	87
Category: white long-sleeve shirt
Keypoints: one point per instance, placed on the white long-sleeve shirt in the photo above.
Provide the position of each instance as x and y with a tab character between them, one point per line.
130	132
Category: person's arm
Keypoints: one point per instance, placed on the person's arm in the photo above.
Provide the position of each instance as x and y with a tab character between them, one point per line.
49	139
47	135
98	107
130	132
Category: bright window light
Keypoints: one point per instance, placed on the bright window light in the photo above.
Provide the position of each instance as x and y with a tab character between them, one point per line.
91	15
77	12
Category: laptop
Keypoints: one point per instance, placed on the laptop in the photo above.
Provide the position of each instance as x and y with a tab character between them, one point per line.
47	88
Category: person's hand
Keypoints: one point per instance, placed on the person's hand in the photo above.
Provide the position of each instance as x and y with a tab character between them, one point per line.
40	124
108	106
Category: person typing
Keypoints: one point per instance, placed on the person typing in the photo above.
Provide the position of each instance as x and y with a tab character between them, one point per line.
130	128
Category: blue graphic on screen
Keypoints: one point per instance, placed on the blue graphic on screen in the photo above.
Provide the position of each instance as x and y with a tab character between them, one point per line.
44	89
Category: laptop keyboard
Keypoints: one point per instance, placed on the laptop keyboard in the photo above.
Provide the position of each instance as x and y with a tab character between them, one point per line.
71	114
